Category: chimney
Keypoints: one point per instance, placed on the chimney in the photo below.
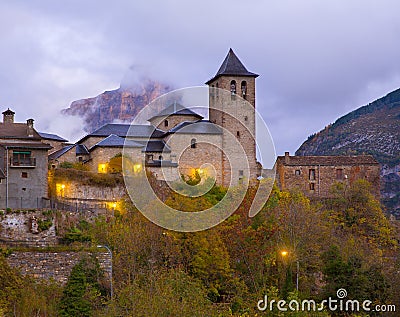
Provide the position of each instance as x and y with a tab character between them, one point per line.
8	116
287	157
29	123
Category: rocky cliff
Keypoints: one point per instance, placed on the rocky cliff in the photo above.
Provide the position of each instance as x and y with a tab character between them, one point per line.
372	129
120	105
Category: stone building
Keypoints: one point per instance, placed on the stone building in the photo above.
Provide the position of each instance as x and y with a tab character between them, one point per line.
23	164
178	141
315	175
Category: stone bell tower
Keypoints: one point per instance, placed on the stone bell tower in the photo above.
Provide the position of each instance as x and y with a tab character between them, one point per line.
232	111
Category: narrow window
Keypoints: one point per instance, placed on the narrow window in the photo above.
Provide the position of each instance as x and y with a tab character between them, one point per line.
339	174
240	173
165	123
149	157
160	158
311	174
243	88
312	186
80	159
233	87
193	143
216	86
238	134
297	172
246	118
24	175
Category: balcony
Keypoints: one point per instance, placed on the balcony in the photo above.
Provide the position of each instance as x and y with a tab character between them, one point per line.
23	162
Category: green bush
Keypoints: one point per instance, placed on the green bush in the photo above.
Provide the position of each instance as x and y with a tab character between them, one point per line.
66	165
45	224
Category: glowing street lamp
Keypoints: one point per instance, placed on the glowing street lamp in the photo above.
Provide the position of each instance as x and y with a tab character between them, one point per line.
284	254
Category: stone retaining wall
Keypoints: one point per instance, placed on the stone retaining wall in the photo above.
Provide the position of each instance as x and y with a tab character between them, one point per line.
53	265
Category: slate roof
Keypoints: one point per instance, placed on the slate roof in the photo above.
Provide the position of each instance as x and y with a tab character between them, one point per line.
16	131
116	141
80	149
121	130
161	163
53	137
328	160
198	127
232	66
176	109
60	152
156	146
8	112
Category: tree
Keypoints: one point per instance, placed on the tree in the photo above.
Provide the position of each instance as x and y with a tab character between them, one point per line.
83	290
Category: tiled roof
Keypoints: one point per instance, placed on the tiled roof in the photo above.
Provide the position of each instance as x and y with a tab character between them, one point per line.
121	130
53	137
116	141
198	127
156	146
327	160
16	131
176	109
232	66
26	145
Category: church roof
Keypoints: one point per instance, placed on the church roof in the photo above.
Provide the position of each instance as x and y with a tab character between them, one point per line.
232	66
121	130
176	109
198	127
116	141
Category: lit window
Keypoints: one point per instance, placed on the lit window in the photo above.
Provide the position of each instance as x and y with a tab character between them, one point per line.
297	172
193	143
311	174
102	168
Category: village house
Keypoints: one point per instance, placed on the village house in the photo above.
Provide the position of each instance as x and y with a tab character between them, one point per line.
315	175
23	164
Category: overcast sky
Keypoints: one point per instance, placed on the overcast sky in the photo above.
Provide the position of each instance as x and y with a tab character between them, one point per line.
317	60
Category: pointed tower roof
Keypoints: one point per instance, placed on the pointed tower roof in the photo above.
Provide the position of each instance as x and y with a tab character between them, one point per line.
232	66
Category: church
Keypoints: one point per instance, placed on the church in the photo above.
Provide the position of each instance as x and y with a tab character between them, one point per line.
180	142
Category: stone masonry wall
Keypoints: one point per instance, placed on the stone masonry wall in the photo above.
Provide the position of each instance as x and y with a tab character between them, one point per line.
54	265
325	177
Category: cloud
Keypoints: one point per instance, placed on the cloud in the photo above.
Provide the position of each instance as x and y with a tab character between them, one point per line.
317	60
